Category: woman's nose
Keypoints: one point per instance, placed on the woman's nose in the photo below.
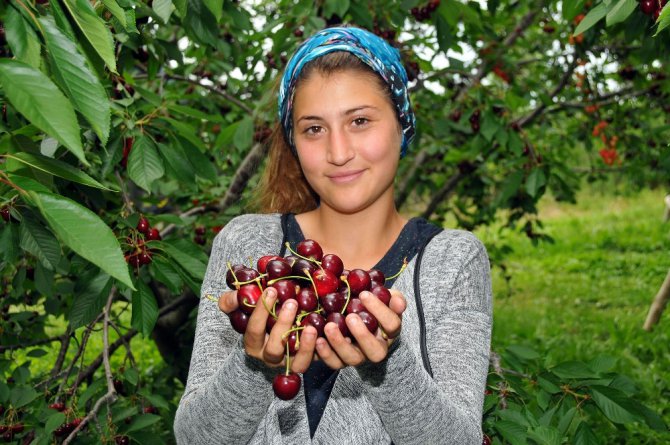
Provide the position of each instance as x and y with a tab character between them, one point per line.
340	148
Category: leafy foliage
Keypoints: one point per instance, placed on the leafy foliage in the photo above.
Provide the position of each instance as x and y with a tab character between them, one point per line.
117	110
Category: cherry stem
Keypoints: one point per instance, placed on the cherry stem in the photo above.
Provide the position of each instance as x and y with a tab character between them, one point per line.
285	335
230	268
402	268
346	303
288	246
288	277
312	281
288	359
211	298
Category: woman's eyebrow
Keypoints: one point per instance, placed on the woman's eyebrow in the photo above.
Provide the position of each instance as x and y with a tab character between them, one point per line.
344	113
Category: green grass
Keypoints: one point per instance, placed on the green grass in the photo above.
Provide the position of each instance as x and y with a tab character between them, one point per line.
588	293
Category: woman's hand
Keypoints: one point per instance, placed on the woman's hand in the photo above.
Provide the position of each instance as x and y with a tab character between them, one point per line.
338	351
271	348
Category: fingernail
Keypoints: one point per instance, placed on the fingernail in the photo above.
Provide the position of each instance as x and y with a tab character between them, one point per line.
291	304
364	295
270	292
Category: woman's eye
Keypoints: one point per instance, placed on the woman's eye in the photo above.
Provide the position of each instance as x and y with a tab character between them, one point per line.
360	121
314	129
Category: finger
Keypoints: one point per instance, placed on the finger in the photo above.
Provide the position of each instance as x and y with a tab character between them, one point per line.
275	348
347	352
305	352
327	355
398	304
388	320
254	337
228	301
371	346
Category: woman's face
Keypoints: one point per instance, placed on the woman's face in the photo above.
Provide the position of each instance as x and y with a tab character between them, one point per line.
348	139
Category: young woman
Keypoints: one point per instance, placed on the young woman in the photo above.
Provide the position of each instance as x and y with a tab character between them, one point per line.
345	121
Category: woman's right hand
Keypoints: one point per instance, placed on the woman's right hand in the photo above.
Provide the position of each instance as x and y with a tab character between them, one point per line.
271	348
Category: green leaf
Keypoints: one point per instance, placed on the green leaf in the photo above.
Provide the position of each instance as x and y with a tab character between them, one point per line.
177	163
40	242
163	9
615	405
621	11
570	8
80	84
84	232
584	435
566	420
593	17
545	435
132	376
603	363
202	165
145	309
663	19
523	352
57	168
21	38
143	421
215	7
573	370
62	20
22	395
4	392
514	433
36	97
194	266
144	164
244	134
164	273
652	419
339	7
95	30
9	240
89	301
54	421
510	186
28	183
117	11
201	23
535	181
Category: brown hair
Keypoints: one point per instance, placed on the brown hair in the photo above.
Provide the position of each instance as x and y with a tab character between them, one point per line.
283	187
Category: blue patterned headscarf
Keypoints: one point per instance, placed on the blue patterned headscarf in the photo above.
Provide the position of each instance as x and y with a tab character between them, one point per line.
372	50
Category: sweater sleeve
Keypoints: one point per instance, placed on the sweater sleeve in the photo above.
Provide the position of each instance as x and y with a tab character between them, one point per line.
456	291
227	393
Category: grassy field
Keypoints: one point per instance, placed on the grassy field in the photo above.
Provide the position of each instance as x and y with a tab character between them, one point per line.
588	293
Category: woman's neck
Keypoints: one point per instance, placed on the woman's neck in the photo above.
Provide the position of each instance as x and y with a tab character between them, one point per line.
360	239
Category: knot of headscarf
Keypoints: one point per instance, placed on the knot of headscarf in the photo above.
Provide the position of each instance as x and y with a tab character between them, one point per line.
369	48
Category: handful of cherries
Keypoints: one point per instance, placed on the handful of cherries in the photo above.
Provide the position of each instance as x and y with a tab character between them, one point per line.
323	289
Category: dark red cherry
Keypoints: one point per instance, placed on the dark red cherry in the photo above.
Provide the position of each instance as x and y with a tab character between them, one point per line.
292	342
286	386
154	235
333	302
263	261
143	225
333	263
355	306
246	274
369	321
338	319
286	289
377	277
230	279
486	440
277	269
239	320
382	293
247	297
325	282
145	257
300	265
307	300
359	280
291	259
648	6
315	320
310	249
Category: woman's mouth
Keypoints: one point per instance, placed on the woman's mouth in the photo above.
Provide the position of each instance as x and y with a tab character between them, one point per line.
345	176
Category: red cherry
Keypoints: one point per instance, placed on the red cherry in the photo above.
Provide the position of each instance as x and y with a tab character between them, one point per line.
286	386
6	215
316	320
286	289
200	230
239	320
57	406
247	297
199	239
332	263
122	440
382	293
145	257
262	262
310	249
648	6
150	409
3	429
486	440
359	280
292	342
143	225
333	302
338	319
377	277
18	428
277	269
299	265
134	261
230	278
307	300
154	235
355	306
325	282
369	321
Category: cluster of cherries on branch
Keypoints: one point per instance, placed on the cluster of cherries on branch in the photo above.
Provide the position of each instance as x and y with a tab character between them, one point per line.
138	254
652	7
324	291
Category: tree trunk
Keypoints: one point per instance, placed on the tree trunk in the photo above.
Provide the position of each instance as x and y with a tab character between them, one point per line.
658	305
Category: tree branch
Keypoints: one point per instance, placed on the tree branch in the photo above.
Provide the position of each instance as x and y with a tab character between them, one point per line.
196	81
110	396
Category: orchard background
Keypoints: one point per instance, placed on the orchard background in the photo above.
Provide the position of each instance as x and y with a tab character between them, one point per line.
119	113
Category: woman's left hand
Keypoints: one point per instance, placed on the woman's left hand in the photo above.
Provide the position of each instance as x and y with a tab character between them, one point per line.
338	351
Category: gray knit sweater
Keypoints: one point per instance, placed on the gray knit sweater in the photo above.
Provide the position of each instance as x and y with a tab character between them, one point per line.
229	398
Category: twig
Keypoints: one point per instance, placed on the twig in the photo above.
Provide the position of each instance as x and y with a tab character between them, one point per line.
129	352
124	193
64	345
42	341
502	385
170	227
80	352
110	396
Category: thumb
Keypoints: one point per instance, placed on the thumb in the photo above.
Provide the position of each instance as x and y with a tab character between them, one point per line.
228	301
